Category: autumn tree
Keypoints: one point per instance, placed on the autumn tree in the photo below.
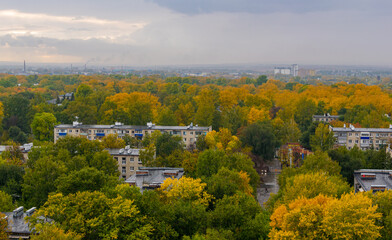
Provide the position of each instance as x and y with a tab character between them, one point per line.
5	202
43	126
351	217
95	216
322	139
112	141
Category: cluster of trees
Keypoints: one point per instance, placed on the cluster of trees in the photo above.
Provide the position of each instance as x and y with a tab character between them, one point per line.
230	104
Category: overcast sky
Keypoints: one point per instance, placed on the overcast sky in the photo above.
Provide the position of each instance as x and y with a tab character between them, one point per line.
170	32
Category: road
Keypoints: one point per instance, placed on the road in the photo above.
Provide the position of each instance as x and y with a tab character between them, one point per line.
269	182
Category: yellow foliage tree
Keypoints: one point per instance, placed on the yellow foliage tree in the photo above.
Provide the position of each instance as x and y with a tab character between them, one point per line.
188	189
256	115
351	217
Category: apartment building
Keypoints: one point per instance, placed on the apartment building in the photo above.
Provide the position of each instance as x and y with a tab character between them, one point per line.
189	134
325	118
364	138
128	160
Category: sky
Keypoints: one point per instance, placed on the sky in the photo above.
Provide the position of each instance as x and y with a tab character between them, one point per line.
187	32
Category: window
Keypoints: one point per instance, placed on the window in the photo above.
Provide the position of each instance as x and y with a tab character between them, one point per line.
191	139
132	159
192	133
350	141
89	131
70	130
350	134
356	141
124	162
107	131
123	158
139	161
183	133
184	139
131	168
123	170
76	130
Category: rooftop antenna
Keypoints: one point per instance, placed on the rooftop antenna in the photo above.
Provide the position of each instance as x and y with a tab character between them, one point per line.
24	66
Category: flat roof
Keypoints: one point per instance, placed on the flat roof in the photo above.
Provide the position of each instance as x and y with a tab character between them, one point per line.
322	116
124	127
155	176
124	151
347	129
381	178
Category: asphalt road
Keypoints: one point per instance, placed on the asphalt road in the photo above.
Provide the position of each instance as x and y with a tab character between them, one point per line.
269	182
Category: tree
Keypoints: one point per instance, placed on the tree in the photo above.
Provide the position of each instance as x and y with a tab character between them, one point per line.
384	202
166	144
17	111
351	217
3	227
261	138
242	215
312	184
185	189
95	216
87	179
206	107
261	80
43	125
112	141
322	139
166	117
227	182
5	202
52	232
17	135
40	180
83	91
11	178
306	108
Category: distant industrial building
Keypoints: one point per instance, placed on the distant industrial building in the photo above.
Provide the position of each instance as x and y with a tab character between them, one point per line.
325	118
189	134
373	180
152	177
292	70
364	138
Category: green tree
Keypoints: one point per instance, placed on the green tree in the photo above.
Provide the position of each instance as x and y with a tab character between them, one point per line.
166	117
52	232
305	110
95	216
87	179
242	215
112	141
166	144
43	125
5	202
322	139
260	136
40	180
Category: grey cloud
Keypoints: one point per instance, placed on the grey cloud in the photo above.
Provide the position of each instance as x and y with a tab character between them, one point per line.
272	6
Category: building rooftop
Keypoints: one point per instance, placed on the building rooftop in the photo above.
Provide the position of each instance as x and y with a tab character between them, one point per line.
152	177
127	151
354	129
149	126
369	179
18	227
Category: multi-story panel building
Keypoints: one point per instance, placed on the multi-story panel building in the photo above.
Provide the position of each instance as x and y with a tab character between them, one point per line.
325	118
189	134
364	138
128	160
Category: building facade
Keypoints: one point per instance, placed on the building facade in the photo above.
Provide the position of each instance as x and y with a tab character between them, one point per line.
189	134
127	159
364	138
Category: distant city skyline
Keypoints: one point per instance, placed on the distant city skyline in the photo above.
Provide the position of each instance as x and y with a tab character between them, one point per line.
175	32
